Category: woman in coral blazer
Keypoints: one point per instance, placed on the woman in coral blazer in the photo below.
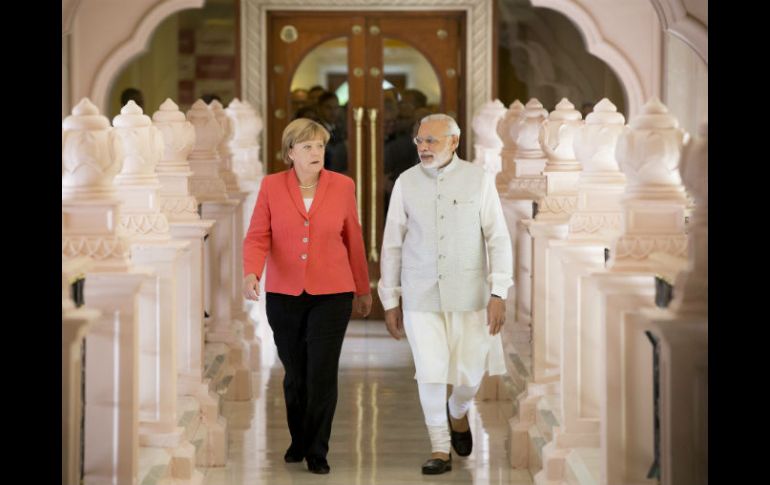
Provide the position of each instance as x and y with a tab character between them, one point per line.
305	225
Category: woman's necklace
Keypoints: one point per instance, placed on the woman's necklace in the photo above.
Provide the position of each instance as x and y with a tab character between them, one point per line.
305	186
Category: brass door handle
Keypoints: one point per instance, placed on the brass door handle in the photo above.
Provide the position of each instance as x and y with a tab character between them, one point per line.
373	256
358	116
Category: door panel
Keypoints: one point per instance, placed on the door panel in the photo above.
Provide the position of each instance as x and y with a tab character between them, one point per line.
439	39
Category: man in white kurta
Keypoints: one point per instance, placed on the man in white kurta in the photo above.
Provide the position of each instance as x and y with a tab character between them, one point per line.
446	255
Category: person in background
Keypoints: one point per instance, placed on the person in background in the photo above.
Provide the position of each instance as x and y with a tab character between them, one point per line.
586	109
314	93
130	94
299	99
415	97
308	112
209	97
336	155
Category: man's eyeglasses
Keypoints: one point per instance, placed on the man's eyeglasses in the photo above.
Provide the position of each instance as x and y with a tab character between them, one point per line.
430	140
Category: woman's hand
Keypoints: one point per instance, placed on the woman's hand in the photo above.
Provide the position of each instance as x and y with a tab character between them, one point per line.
362	304
251	287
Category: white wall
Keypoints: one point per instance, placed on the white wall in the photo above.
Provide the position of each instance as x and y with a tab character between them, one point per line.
686	84
66	103
688	20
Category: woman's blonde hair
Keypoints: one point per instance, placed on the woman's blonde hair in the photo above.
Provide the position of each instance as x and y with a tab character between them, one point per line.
299	130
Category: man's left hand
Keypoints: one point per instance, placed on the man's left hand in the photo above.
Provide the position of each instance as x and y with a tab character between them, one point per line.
495	314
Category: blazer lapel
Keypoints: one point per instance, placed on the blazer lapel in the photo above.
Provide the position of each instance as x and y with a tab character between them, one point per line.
320	192
296	196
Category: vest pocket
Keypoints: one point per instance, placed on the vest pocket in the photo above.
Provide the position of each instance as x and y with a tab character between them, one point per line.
465	215
465	221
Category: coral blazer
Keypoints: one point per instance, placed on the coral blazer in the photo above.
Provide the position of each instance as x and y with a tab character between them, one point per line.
321	251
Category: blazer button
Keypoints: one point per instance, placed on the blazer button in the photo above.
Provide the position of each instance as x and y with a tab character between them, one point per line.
304	239
304	256
307	223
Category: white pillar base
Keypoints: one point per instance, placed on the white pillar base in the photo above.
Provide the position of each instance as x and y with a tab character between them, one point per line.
182	466
488	388
240	388
553	465
518	454
253	343
215	454
151	435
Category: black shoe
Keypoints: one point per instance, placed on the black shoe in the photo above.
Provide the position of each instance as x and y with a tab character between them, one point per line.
317	464
437	466
462	441
293	456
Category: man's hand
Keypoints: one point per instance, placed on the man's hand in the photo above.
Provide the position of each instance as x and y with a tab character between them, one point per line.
362	304
251	287
394	321
495	314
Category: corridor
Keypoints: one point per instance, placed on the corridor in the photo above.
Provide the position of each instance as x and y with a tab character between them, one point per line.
378	436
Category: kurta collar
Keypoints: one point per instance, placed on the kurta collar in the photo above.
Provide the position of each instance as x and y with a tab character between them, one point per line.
434	172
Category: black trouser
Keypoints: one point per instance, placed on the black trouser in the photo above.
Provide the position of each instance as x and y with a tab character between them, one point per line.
308	332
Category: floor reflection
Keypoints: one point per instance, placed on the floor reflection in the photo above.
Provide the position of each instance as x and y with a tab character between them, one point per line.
378	437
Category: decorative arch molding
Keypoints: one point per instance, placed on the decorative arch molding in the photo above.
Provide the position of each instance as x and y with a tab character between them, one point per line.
598	45
479	41
69	9
691	27
479	48
135	45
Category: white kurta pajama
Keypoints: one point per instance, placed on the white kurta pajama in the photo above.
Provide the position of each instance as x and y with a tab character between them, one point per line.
445	249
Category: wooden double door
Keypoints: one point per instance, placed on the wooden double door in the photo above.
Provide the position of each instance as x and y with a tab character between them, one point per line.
370	59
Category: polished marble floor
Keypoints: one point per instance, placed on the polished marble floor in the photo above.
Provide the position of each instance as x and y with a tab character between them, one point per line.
378	436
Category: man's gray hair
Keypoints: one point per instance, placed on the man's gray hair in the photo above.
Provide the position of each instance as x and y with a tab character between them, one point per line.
453	128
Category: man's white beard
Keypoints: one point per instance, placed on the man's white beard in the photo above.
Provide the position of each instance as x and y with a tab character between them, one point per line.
438	159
